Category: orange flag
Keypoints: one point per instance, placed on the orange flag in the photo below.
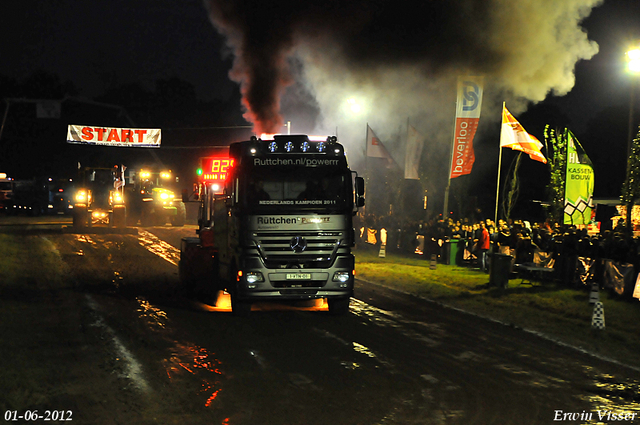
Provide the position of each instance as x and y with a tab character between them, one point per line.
513	135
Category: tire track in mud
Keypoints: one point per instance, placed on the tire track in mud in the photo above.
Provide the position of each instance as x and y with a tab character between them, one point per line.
127	308
110	270
436	379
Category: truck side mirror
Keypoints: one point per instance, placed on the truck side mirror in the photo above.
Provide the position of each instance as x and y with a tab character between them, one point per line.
185	195
359	192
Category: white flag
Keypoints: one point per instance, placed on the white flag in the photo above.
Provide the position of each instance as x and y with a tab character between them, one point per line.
375	148
412	156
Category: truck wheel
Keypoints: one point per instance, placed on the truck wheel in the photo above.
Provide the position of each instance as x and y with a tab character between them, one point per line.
146	219
240	308
119	218
179	219
338	306
132	218
79	218
187	281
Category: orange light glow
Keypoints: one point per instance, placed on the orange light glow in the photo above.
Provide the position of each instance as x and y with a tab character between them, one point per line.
223	304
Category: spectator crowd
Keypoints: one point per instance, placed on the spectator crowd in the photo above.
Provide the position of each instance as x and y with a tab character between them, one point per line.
568	249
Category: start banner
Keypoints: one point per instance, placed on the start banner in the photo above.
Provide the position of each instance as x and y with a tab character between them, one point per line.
110	136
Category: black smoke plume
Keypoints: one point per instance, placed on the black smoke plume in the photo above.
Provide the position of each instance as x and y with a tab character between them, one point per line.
401	57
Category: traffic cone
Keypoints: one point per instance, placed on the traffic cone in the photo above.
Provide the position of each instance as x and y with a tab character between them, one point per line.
597	320
594	297
383	251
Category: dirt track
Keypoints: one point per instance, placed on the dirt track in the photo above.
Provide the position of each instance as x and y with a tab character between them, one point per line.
123	346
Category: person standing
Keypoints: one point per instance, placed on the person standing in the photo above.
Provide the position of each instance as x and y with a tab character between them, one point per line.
484	243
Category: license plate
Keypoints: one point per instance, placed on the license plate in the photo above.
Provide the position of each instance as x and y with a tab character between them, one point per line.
298	276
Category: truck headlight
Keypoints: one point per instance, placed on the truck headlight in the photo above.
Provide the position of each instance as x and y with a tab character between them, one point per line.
81	196
253	277
341	276
164	196
117	198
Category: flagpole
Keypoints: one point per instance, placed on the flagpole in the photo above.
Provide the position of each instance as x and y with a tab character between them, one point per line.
495	216
445	213
366	167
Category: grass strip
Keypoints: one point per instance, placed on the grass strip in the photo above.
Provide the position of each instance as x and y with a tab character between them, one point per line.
31	272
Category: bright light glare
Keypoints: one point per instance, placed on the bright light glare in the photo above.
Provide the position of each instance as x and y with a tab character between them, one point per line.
354	106
634	60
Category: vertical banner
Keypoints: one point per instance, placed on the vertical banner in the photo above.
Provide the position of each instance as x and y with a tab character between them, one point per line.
413	154
579	184
467	117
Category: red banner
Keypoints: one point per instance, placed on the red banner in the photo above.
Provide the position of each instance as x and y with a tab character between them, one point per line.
463	155
468	109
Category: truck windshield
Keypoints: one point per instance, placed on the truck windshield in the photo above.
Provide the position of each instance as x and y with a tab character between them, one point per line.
5	186
297	188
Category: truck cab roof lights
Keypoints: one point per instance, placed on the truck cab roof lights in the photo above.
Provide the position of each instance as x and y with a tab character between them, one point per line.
282	143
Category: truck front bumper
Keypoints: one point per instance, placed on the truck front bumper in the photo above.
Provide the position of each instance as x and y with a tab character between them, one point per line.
255	281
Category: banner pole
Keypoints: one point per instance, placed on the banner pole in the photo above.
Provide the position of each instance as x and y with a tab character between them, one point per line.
445	212
495	216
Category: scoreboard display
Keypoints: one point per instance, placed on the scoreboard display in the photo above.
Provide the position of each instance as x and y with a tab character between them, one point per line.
215	168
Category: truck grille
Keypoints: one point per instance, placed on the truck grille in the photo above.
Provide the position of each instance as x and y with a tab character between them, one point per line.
276	250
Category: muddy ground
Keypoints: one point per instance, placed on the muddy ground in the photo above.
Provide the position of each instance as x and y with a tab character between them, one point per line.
109	337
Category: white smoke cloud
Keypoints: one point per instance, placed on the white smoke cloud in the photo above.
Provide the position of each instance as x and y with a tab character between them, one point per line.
528	51
399	59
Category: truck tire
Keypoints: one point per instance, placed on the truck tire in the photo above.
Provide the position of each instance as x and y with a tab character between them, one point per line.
179	219
132	218
239	307
187	280
338	306
80	217
147	219
119	218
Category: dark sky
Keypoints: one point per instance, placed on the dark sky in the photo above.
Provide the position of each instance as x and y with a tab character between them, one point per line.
399	60
103	43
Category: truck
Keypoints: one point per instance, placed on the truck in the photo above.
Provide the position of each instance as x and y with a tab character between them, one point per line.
99	198
6	193
151	199
26	196
280	227
61	192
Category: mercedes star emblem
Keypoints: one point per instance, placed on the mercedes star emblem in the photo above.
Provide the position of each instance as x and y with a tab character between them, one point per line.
298	244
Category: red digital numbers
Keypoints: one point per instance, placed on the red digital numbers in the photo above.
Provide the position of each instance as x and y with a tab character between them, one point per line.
214	170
